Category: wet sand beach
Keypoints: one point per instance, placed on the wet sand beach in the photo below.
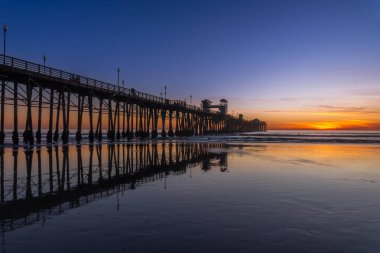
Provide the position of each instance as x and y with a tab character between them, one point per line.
172	196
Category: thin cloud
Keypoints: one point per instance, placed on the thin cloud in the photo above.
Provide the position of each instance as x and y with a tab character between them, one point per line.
288	99
365	92
261	100
361	109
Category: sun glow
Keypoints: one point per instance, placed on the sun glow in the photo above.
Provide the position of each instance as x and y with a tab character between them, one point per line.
325	126
291	120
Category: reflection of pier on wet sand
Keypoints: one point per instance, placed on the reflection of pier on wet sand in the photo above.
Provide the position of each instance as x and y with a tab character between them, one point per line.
58	178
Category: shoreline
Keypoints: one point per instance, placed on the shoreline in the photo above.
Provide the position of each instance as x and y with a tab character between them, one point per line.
160	142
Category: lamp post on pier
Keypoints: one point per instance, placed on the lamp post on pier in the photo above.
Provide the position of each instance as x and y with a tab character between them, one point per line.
118	76
5	30
165	92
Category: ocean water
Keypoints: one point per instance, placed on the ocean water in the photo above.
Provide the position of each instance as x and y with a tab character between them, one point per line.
271	136
280	191
305	136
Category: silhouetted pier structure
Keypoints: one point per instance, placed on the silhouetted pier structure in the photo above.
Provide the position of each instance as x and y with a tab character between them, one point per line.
57	96
76	175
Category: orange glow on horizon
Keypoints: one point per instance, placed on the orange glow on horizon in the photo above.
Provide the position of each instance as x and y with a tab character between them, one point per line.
278	120
321	120
328	125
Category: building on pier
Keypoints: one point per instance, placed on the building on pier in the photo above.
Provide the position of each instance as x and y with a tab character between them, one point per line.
222	107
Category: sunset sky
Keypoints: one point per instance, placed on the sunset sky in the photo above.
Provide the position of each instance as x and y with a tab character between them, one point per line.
295	64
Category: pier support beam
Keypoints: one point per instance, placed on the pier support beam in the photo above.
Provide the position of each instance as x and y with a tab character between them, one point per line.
66	117
163	118
111	129
78	134
2	133
49	136
170	132
117	117
177	123
28	133
38	133
90	110
123	131
15	138
148	120
137	112
98	132
130	121
141	127
56	133
129	133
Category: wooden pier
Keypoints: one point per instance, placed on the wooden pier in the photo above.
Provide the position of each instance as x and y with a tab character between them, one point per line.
126	112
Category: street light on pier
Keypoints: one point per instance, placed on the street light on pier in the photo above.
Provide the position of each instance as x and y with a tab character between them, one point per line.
118	76
165	92
191	100
5	30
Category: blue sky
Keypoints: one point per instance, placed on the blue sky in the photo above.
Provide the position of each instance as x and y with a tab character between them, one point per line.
266	57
